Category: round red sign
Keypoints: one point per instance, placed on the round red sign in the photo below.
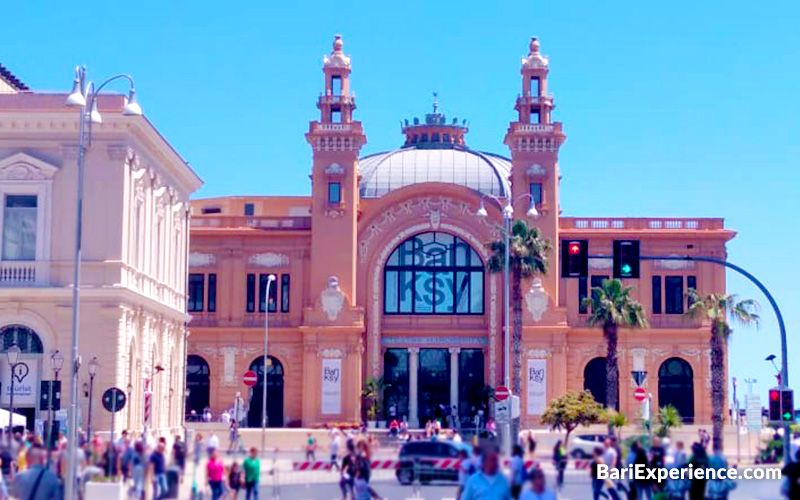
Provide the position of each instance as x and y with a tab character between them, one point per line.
640	394
250	378
501	393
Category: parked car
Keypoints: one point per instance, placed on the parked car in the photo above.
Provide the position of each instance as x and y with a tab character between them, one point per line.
418	458
582	445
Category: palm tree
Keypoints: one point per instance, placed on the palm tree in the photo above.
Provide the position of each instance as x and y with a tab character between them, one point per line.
611	308
527	257
718	308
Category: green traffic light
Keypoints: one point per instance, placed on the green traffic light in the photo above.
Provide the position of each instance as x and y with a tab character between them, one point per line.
787	416
626	269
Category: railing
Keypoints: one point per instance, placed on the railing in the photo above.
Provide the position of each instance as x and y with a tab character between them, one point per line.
657	321
529	99
256	222
152	288
24	273
642	223
276	319
336	99
203	319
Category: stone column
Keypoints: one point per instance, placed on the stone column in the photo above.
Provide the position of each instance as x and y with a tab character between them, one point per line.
454	352
413	373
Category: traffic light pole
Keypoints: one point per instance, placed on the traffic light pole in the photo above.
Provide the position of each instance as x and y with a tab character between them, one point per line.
782	327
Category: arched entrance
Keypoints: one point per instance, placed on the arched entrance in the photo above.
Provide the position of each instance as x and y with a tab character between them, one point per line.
274	393
198	383
594	380
676	387
27	373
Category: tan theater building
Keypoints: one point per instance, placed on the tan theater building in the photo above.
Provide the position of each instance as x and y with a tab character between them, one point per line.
382	272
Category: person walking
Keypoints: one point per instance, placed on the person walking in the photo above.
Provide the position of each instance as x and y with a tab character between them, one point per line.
234	480
348	471
560	463
597	483
158	470
517	473
538	489
37	482
699	460
179	455
334	451
489	483
215	476
311	447
136	472
252	475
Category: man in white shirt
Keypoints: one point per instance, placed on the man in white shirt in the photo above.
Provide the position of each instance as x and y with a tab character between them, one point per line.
609	454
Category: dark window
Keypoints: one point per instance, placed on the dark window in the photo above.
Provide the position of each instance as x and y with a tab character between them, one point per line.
674	294
195	292
212	292
336	85
656	309
262	294
446	138
535	117
435	138
334	193
249	209
433	273
597	280
211	210
285	293
336	116
534	85
251	293
536	193
583	293
423	138
691	284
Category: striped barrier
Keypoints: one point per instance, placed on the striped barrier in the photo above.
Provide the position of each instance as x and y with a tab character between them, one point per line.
440	464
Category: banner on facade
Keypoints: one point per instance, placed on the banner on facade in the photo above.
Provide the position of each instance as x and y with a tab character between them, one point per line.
537	386
26	383
331	386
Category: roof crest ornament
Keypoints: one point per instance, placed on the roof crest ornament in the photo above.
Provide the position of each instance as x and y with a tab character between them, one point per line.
535	59
337	58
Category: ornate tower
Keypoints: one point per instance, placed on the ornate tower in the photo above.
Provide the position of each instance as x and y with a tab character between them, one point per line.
336	140
534	141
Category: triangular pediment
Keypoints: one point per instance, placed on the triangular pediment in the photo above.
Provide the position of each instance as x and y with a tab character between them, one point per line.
24	167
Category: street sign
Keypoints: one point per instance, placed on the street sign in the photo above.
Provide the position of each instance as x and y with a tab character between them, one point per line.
250	378
501	393
114	399
514	400
753	413
502	412
640	394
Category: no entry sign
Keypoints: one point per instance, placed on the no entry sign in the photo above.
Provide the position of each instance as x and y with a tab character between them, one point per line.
640	394
250	378
501	393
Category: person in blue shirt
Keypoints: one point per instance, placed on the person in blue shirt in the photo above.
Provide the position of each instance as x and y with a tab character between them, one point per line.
37	482
489	483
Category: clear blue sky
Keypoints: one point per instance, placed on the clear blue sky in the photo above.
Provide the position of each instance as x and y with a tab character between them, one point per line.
679	108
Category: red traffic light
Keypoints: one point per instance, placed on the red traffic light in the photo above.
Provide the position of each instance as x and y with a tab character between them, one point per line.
574	248
774	395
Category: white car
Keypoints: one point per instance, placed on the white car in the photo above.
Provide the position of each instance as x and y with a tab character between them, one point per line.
583	445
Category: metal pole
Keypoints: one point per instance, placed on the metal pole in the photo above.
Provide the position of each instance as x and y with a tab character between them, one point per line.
738	426
50	432
72	427
507	325
266	359
11	406
89	420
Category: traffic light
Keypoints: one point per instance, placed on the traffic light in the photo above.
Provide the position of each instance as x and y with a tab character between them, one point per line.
574	258
626	259
787	406
774	405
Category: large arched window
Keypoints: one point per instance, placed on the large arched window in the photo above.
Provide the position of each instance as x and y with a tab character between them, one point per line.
433	273
21	336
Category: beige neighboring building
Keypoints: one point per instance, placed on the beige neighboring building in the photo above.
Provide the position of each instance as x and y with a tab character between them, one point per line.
133	286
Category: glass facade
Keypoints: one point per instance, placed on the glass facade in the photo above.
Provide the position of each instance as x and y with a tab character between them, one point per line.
434	273
434	384
395	376
470	383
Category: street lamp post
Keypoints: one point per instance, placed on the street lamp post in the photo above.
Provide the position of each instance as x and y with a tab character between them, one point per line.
13	360
84	96
57	361
92	372
270	279
508	217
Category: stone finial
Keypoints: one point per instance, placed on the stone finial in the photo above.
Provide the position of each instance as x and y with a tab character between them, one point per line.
534	59
337	59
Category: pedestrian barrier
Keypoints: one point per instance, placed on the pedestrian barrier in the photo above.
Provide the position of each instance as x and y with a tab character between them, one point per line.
442	464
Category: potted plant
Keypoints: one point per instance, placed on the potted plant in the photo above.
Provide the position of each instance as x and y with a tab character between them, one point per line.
104	488
372	393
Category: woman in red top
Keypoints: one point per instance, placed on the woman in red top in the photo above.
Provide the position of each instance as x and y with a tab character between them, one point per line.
215	473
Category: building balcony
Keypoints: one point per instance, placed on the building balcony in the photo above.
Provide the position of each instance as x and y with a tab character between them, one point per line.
276	319
536	128
657	321
325	99
641	224
24	273
207	319
255	222
535	100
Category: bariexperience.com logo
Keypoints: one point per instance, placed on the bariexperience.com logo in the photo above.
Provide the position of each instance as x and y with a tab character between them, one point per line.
641	472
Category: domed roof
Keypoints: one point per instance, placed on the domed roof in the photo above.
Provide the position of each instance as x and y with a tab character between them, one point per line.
382	173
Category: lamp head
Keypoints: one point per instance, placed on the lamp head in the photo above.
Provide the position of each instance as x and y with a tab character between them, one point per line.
94	114
508	211
132	107
771	357
271	277
93	364
532	212
13	353
482	211
76	97
57	359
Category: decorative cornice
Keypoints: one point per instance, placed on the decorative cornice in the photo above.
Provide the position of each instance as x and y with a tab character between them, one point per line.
539	353
202	259
24	167
268	259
